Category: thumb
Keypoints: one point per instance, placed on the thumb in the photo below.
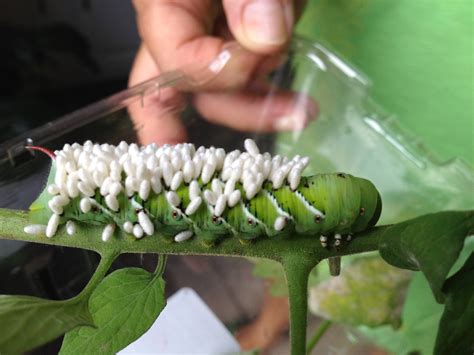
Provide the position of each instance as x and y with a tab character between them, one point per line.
262	26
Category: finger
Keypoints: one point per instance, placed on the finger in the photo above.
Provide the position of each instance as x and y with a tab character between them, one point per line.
177	32
154	116
283	111
263	26
177	36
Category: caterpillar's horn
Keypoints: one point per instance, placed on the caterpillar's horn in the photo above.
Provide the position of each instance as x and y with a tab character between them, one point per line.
46	151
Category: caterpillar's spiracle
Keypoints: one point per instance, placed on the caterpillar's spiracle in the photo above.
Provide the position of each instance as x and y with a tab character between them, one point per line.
181	192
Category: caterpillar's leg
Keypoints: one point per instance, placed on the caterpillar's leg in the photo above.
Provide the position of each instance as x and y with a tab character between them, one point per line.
207	239
245	241
247	238
324	241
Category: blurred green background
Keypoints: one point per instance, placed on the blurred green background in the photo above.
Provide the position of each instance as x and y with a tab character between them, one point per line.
418	54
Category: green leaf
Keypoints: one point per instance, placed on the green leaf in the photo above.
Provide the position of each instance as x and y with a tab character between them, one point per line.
420	318
456	329
466	252
28	322
124	306
430	243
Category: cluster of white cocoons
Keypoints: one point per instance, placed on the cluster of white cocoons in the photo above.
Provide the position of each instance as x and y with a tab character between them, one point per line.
129	168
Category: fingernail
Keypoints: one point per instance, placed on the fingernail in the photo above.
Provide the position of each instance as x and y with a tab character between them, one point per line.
293	122
265	22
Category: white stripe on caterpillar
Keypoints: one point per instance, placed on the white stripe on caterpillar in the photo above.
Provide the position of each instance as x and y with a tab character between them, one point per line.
249	214
275	204
309	206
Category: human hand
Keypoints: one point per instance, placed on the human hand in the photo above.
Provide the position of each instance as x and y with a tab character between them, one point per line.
176	34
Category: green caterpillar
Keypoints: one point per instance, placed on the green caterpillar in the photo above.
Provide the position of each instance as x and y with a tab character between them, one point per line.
182	192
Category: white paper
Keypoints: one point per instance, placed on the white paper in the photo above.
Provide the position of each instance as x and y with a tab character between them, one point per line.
185	326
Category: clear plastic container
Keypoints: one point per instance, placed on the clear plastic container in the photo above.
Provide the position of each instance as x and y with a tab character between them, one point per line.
355	135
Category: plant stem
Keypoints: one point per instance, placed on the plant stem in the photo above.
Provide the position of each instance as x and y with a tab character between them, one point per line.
297	270
88	237
161	265
106	261
323	327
